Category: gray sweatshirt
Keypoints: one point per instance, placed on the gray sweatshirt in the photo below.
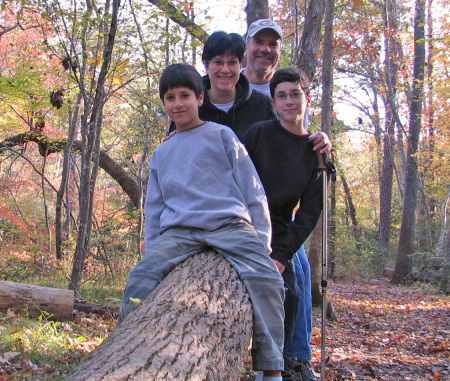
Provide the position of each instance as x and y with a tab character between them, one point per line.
203	178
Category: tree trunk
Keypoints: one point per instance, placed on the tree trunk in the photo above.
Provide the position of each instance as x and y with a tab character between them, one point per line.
91	131
196	325
315	249
332	231
309	47
256	9
443	286
65	178
387	175
430	106
37	299
444	224
311	36
352	213
327	69
403	264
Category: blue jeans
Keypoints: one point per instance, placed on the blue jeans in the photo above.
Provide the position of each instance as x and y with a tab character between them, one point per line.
299	346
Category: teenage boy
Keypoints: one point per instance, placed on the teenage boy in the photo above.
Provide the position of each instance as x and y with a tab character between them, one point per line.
186	212
288	168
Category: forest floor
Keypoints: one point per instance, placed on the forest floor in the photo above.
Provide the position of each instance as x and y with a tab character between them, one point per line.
383	332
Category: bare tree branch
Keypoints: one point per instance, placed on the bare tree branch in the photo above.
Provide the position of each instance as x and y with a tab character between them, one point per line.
181	19
127	183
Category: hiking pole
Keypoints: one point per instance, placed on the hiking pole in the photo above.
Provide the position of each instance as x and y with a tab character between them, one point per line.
324	282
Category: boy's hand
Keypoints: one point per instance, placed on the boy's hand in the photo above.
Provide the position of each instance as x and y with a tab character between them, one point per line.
321	142
172	134
280	266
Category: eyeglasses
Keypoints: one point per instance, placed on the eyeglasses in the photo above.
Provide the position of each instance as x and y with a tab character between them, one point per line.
294	95
221	63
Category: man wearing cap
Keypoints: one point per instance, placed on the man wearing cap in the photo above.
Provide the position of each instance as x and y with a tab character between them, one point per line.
263	51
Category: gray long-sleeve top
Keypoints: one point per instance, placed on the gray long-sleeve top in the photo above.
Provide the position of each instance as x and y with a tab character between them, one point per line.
202	178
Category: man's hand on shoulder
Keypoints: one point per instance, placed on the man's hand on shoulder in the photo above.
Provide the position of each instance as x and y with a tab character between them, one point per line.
321	142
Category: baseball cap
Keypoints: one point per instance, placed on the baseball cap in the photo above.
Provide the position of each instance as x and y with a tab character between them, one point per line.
261	24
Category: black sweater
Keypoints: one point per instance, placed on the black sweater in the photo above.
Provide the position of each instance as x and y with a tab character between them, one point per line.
250	106
288	168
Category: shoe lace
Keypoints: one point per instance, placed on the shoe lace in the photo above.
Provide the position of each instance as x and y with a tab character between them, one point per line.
307	372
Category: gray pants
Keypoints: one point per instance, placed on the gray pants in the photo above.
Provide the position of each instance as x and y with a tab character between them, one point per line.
240	245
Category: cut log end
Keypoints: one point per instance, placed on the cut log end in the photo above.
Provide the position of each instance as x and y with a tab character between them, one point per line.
37	300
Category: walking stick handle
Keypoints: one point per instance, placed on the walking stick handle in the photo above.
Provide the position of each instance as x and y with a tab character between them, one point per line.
321	159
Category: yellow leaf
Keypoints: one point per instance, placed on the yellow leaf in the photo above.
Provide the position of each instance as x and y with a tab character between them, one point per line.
117	80
136	300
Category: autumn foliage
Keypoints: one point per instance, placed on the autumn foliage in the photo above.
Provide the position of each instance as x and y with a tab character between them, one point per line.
50	58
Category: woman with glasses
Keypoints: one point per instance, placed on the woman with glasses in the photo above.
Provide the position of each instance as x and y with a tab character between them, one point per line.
229	98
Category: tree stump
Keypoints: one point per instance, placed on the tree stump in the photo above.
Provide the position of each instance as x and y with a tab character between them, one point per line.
196	325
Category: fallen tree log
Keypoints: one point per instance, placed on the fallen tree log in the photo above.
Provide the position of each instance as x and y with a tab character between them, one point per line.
37	299
196	325
94	308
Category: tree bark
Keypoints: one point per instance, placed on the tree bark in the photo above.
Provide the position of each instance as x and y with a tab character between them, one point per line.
352	213
443	286
444	224
327	69
196	325
37	299
65	179
256	9
403	264
311	36
173	13
332	231
91	132
430	106
315	249
387	175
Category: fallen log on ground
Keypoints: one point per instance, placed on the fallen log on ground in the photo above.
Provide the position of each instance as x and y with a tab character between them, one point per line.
196	325
94	308
34	300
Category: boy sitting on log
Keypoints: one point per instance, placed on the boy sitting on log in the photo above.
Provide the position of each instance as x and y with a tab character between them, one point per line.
204	192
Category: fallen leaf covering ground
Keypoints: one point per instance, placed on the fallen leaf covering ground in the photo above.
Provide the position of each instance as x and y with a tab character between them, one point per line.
383	333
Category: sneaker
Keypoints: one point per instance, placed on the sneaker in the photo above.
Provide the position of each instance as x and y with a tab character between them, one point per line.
307	372
291	370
